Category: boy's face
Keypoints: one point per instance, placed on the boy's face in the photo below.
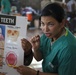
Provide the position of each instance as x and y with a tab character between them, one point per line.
50	26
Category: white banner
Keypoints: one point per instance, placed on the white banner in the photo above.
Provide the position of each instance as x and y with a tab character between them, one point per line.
12	30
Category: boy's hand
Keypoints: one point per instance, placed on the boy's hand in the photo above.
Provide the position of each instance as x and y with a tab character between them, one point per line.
26	45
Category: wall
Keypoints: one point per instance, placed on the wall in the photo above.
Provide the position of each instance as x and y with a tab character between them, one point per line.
36	4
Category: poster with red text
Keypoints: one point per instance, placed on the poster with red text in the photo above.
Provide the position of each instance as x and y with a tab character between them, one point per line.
12	30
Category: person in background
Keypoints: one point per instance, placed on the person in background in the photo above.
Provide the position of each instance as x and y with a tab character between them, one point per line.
56	47
71	15
5	6
71	6
0	5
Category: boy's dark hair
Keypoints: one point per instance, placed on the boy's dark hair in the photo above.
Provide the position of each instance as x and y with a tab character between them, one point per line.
55	10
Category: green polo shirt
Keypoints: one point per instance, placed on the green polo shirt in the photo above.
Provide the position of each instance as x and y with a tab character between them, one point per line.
60	57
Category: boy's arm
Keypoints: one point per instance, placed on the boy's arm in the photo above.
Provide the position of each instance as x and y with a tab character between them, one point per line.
28	58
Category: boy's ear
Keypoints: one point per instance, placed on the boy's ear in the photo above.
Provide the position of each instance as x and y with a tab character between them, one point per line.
63	22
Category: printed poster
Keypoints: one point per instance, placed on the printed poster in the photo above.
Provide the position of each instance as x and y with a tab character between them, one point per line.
12	30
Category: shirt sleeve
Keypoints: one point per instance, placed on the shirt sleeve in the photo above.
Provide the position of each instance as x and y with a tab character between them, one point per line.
67	61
